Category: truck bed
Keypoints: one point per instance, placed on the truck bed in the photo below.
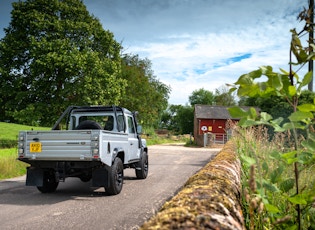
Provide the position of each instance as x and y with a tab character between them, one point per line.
59	145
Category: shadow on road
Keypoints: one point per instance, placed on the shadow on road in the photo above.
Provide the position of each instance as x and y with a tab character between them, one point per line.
14	192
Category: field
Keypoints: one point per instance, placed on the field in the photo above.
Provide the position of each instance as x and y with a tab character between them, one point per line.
9	166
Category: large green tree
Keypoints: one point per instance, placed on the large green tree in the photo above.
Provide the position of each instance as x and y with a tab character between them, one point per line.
144	92
56	54
201	96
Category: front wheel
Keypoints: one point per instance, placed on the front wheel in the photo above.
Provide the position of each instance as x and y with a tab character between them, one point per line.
142	167
49	182
116	177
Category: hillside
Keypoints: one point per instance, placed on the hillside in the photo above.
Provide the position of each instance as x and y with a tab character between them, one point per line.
10	131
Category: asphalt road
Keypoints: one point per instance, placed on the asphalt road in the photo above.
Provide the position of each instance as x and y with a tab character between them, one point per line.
75	205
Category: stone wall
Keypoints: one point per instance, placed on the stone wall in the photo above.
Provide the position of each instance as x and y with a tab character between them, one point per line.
209	200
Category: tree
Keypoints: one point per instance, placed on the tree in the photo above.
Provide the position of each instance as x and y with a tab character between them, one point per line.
185	116
277	106
144	92
201	96
56	54
223	97
178	118
169	118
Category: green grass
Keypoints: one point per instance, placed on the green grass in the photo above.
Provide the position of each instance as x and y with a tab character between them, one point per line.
9	165
10	131
158	140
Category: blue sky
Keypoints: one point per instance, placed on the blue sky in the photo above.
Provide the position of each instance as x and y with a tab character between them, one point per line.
195	44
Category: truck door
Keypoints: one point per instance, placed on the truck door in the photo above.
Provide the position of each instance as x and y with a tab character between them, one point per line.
134	152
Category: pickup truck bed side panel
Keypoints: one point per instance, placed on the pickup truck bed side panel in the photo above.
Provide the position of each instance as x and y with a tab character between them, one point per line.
112	141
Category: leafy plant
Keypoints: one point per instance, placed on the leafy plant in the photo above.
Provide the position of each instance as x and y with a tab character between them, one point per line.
269	187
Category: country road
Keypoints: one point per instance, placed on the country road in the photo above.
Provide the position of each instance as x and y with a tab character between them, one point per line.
75	205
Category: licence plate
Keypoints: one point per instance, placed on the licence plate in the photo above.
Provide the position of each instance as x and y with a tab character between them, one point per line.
35	147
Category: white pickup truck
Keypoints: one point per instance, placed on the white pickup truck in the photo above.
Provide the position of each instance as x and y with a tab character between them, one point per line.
89	142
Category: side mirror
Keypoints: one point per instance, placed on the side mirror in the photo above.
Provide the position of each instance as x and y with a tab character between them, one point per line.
139	129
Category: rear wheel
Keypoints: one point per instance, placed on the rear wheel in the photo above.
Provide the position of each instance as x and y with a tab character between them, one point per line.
142	167
116	177
49	182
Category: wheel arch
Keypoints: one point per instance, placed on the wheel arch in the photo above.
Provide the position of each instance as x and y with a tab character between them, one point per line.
118	152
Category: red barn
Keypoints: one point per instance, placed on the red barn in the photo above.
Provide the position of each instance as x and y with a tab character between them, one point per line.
212	124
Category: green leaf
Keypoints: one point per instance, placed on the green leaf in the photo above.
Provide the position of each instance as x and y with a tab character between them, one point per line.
244	79
266	70
290	157
276	155
305	157
275	81
287	185
271	208
237	112
278	128
306	108
293	125
255	74
276	124
275	175
248	160
299	116
298	199
306	80
245	122
309	144
252	112
292	90
265	116
270	187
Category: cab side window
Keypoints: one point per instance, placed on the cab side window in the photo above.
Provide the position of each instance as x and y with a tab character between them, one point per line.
131	126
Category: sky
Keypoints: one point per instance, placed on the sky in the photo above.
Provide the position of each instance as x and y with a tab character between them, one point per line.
194	44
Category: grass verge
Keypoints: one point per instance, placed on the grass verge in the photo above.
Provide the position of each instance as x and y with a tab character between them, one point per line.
9	166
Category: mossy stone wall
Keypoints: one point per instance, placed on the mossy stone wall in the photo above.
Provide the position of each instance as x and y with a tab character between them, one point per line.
209	200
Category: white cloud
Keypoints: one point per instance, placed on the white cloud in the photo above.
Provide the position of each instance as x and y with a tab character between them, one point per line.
195	44
176	59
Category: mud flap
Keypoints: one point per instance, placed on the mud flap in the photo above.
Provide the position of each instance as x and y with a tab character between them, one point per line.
100	178
34	177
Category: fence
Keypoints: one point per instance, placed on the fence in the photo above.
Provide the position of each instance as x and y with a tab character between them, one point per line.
215	138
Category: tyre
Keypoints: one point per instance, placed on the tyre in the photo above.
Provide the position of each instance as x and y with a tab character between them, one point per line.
49	182
85	178
116	177
88	125
142	167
